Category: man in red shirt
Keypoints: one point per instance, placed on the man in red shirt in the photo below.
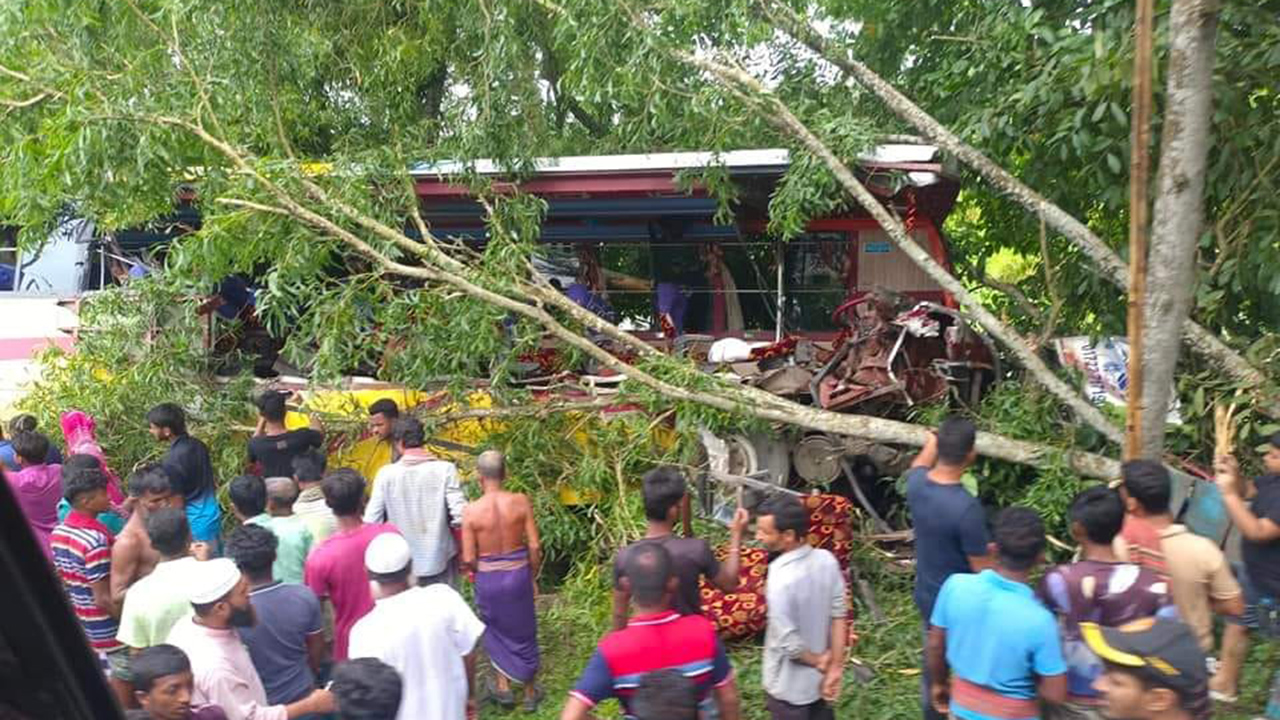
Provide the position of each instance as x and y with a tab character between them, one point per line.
335	569
656	638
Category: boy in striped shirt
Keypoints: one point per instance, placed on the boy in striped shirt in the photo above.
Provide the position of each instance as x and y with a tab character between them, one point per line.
81	547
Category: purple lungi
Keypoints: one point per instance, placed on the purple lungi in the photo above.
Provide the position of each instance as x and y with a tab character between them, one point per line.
504	596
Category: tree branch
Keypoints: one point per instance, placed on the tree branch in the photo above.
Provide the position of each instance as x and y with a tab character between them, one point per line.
1019	298
1055	300
19	104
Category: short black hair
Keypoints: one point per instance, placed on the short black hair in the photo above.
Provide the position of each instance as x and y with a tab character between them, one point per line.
1019	535
150	479
1274	440
168	415
385	407
309	465
82	481
788	514
648	568
663	487
665	695
25	422
409	432
343	491
1148	483
366	689
956	436
169	531
1100	511
80	461
31	446
151	664
253	548
271	405
248	494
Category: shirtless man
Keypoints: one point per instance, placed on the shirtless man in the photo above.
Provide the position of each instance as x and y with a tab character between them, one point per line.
500	544
132	557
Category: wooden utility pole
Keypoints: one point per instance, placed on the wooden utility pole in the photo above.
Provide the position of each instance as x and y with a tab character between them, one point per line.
1139	218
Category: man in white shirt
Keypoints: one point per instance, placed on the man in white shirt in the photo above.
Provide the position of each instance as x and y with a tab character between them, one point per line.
154	604
223	671
428	634
420	494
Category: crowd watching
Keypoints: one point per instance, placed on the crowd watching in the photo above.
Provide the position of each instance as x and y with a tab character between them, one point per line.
338	592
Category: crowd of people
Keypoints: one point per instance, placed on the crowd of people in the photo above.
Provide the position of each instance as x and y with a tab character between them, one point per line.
1124	631
336	592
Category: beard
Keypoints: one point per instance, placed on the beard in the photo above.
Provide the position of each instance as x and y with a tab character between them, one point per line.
243	617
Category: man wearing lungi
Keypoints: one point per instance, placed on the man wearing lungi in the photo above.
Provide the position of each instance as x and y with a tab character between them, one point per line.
500	543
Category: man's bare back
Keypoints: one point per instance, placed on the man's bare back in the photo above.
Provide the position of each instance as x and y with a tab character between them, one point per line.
132	557
498	521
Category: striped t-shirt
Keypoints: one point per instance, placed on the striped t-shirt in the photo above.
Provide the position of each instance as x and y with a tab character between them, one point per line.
82	554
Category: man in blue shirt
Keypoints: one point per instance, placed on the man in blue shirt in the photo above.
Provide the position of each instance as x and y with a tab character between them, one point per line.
950	525
993	649
9	458
287	642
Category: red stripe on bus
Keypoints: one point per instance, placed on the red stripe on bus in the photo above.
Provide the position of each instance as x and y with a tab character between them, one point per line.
27	348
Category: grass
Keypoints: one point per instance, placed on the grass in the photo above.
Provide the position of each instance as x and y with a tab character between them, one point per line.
576	614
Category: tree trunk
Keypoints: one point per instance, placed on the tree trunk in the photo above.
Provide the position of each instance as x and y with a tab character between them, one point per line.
1198	338
1178	217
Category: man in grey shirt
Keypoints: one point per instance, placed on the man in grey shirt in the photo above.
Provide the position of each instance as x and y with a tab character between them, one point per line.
805	638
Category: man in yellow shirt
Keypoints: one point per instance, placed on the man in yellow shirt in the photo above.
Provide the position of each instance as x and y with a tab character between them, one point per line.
370	454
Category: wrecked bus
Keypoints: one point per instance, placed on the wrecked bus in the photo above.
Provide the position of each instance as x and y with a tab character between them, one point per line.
837	317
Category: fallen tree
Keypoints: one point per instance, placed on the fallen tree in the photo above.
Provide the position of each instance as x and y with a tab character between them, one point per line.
1201	340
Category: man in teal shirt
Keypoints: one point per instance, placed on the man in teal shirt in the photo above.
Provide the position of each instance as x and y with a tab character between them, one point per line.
269	504
993	649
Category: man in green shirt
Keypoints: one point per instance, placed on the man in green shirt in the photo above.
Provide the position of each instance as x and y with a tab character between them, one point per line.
269	504
154	604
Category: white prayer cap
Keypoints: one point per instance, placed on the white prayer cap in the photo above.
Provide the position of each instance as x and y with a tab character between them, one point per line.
215	579
387	554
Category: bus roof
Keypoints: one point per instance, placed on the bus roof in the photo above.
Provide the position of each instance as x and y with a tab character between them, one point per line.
921	160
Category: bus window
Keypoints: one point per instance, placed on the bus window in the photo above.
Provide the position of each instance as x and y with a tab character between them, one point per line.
8	258
818	267
627	270
753	268
731	285
612	279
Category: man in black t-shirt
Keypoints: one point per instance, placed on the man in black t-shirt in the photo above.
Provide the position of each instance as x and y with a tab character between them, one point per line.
1259	525
273	446
190	471
1259	521
664	493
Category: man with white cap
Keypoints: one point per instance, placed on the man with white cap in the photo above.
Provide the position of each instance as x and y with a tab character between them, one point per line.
223	671
428	634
